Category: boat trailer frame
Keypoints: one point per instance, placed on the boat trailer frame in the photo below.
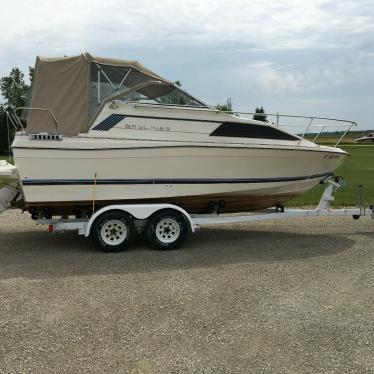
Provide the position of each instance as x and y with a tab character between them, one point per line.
141	213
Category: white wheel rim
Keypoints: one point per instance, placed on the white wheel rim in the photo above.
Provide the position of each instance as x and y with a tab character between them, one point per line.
113	232
168	230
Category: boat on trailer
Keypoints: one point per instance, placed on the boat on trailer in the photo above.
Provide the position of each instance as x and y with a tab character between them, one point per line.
103	131
109	148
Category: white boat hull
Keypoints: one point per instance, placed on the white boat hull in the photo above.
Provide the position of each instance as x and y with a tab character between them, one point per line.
244	178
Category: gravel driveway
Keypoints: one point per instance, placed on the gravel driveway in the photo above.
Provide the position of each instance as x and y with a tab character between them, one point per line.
273	297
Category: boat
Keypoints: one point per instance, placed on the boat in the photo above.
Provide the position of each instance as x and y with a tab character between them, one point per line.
369	138
106	131
8	185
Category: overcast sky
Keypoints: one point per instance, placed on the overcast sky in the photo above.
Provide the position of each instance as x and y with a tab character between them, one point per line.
313	57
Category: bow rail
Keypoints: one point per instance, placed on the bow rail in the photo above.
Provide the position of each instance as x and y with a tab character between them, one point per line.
312	122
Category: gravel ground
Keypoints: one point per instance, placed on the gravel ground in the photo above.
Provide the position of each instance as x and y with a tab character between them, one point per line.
273	297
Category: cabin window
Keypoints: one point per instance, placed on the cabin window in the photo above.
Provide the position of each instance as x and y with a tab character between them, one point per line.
246	130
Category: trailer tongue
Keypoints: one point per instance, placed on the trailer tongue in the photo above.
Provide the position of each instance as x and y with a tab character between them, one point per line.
9	187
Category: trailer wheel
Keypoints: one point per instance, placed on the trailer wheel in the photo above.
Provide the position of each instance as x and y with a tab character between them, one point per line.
167	230
113	231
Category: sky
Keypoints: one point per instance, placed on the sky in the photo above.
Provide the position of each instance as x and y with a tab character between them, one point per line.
309	57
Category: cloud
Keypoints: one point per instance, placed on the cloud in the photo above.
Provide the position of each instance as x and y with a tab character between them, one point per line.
71	26
68	25
276	80
304	74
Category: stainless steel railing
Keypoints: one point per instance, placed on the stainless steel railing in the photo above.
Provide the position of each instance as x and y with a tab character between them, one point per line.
16	121
322	123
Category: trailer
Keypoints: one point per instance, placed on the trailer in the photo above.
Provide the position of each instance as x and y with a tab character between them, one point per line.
115	227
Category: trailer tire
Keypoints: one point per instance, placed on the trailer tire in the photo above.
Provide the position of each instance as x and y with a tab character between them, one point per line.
167	230
113	231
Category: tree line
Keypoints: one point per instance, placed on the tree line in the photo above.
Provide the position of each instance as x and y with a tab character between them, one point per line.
14	90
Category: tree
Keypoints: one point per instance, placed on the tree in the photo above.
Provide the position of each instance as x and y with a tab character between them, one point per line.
4	143
14	90
227	107
260	115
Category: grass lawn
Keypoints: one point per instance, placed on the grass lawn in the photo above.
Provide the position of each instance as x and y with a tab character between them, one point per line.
358	169
5	158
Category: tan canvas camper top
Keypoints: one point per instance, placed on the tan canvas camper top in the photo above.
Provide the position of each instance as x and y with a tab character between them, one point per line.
73	88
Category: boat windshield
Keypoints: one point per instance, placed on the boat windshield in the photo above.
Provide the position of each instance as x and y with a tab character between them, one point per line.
153	95
107	81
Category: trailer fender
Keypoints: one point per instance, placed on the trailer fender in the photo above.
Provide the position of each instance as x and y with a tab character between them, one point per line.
139	211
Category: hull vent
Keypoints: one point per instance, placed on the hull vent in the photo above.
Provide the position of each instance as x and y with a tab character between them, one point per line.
44	136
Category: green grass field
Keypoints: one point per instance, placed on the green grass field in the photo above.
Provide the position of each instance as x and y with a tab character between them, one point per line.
358	169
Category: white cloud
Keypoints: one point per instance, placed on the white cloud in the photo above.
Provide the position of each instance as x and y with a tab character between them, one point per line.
75	25
300	76
277	80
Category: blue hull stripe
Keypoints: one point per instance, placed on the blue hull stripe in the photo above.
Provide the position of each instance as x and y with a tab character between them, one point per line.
69	182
